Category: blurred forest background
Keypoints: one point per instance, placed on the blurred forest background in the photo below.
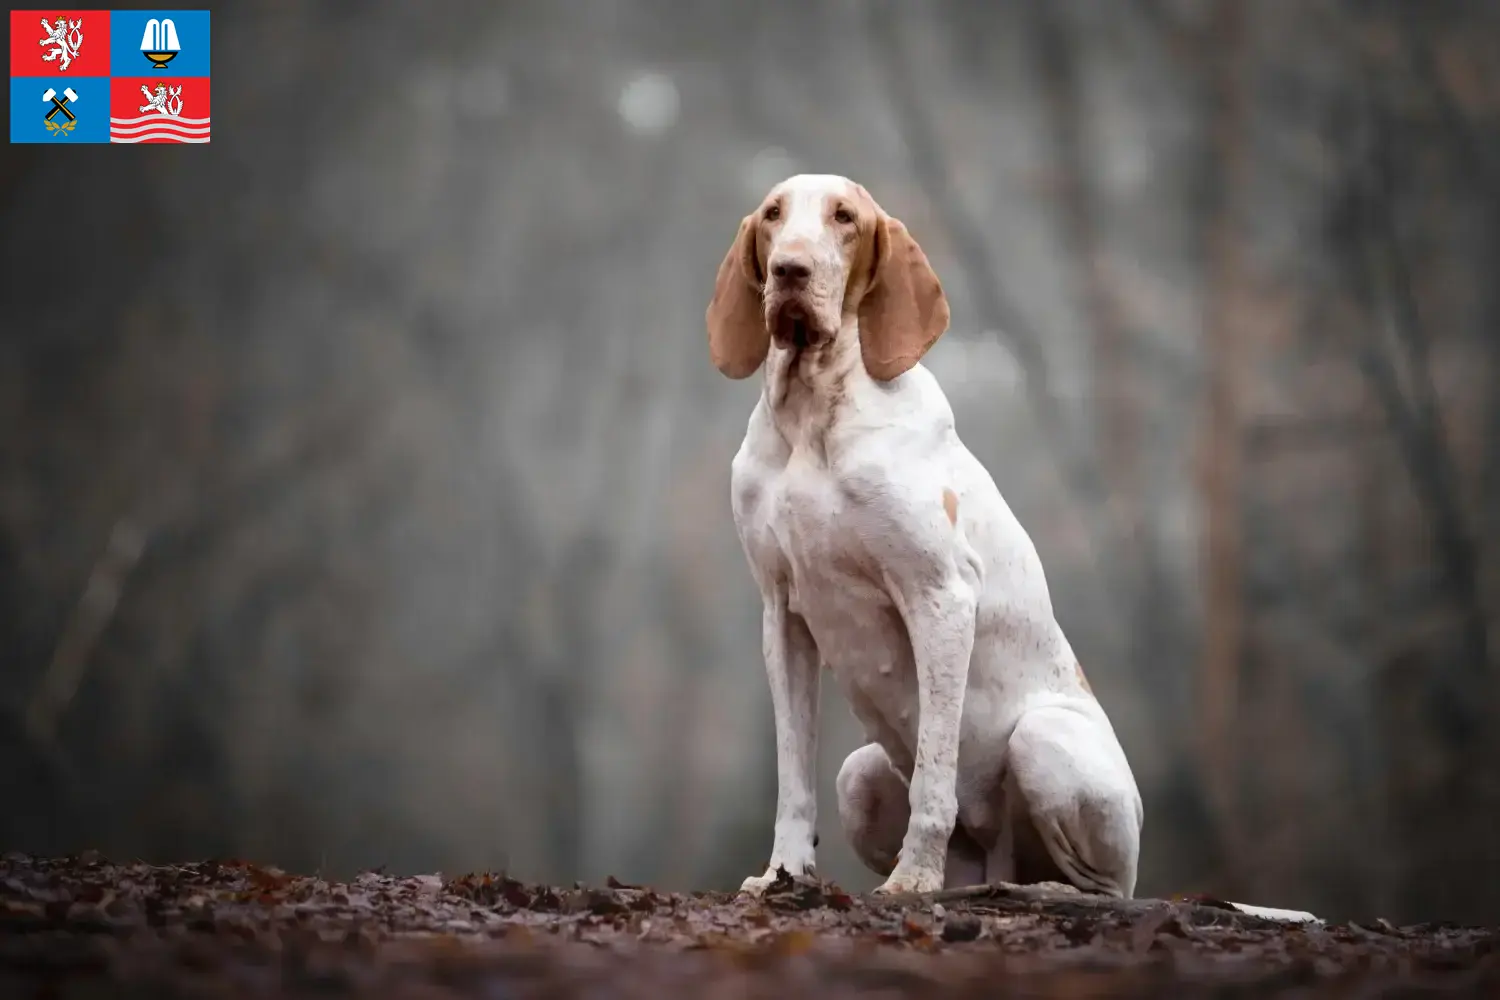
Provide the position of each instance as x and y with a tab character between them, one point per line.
365	478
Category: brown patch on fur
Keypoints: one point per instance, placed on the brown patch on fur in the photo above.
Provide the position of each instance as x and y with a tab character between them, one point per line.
950	505
1082	679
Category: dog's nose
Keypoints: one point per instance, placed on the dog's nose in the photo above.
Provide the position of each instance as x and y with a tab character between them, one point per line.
791	269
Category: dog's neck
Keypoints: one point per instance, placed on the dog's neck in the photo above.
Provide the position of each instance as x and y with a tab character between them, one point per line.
806	389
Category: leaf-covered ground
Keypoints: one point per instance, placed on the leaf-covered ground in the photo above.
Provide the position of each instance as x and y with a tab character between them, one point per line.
84	927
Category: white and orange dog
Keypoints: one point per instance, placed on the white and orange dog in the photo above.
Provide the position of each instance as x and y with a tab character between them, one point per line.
884	551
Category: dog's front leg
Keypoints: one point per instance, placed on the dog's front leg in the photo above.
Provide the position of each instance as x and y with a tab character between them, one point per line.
792	668
940	620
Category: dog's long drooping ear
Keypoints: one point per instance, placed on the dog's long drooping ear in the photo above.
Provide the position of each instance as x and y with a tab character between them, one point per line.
904	311
738	339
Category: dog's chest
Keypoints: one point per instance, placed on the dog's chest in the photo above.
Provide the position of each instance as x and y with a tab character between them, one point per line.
811	533
812	523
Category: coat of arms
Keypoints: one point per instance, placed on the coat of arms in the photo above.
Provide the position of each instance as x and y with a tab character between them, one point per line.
66	37
166	100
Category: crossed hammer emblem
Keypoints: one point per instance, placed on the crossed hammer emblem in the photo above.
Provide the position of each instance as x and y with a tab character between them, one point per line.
68	97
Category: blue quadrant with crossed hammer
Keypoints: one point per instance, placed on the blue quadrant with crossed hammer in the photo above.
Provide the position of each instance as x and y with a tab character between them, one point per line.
29	108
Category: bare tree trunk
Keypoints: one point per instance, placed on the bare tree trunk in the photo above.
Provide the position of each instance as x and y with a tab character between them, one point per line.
1219	453
666	852
1115	437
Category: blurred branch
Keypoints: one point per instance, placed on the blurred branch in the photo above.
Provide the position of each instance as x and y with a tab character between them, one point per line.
1081	481
1279	434
1185	43
1115	435
1479	157
1115	359
926	152
179	541
92	614
1383	284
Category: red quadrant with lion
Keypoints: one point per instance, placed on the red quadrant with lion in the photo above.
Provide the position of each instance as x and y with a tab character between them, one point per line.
156	109
59	43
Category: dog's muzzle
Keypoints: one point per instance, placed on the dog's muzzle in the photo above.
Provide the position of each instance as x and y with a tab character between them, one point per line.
795	326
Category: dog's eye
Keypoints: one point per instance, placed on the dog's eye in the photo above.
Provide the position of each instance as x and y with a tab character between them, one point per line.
843	217
773	213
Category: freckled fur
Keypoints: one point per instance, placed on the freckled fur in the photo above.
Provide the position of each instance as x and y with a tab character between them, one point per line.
987	757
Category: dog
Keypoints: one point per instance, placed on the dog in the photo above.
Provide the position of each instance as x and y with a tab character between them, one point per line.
884	552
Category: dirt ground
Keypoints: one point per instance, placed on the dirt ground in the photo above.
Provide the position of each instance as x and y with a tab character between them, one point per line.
85	927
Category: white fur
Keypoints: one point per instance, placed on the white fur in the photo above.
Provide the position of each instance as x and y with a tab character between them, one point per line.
941	635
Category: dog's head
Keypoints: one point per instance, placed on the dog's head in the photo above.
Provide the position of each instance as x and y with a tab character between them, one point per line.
817	253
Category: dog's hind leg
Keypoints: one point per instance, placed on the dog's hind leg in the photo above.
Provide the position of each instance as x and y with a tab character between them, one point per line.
1072	780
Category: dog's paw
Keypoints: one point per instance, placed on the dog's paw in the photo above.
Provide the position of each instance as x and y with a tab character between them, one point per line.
756	885
911	881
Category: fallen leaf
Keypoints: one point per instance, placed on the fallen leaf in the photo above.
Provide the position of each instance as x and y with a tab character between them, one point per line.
961	927
1160	921
789	943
